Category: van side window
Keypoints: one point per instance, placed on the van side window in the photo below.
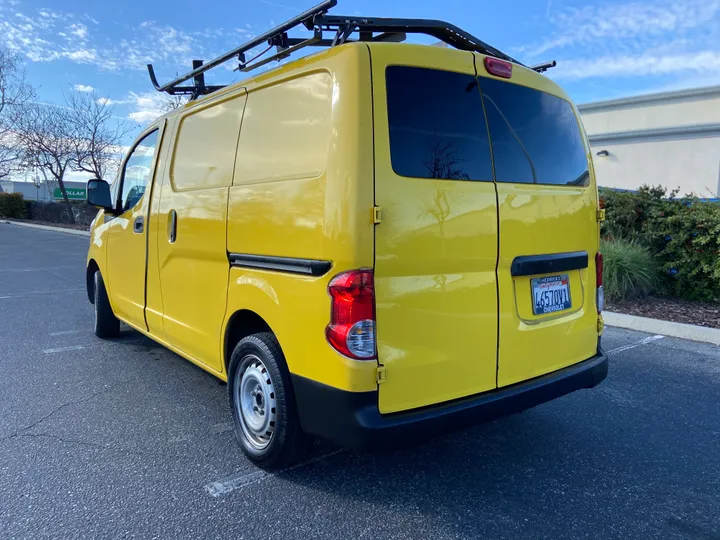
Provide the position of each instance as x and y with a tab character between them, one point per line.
205	146
137	171
536	137
286	131
434	117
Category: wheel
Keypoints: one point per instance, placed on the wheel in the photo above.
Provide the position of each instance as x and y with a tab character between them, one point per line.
106	324
263	404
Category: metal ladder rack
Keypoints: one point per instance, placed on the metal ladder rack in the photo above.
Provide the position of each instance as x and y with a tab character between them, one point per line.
340	28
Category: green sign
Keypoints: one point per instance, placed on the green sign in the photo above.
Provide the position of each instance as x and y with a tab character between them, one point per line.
74	194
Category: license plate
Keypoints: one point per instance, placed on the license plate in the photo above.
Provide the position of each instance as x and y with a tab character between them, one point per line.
550	294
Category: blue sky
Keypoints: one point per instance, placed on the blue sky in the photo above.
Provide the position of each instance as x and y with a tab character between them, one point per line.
604	48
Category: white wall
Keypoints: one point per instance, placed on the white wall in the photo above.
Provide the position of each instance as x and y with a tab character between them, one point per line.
670	139
653	116
691	164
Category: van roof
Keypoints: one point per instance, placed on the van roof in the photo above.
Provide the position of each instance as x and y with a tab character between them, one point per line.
316	19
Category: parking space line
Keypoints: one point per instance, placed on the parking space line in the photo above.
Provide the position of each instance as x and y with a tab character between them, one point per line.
40	293
35	269
63	349
239	481
65	332
645	341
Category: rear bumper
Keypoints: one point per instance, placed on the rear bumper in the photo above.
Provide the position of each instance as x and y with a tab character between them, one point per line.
352	419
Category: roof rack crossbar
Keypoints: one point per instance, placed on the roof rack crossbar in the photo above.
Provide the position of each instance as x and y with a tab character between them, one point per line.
316	19
387	37
542	68
446	32
287	25
283	52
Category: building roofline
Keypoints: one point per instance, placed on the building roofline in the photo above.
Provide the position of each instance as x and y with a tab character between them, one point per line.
651	99
666	133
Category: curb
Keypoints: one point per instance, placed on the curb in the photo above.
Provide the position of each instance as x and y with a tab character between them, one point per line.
666	328
48	228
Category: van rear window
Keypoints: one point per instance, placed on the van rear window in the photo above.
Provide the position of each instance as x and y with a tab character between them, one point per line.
435	118
535	136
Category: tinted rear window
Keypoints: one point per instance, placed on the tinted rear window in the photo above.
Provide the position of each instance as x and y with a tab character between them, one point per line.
436	125
536	137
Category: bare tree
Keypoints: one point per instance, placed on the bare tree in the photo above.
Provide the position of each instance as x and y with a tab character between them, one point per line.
97	133
46	136
173	102
443	160
14	93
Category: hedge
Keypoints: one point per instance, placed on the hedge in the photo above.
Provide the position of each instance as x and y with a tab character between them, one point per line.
683	235
12	205
56	212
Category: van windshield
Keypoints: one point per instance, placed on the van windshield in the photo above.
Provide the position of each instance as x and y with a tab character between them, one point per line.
438	130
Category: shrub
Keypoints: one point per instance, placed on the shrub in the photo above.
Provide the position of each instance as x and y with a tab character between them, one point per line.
56	212
629	270
12	205
686	238
682	234
626	212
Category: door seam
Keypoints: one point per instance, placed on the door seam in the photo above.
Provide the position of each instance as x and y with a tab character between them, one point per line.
372	123
147	224
497	218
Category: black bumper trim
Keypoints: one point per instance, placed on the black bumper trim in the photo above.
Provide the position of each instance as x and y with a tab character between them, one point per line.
352	419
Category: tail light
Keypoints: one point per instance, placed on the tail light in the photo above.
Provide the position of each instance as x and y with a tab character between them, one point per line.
352	317
499	68
600	294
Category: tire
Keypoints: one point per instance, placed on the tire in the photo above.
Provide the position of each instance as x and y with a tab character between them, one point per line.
262	401
106	324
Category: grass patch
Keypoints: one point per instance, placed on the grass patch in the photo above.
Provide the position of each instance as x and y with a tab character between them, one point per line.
629	271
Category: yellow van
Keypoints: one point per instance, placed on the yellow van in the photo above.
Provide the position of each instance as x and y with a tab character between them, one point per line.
372	244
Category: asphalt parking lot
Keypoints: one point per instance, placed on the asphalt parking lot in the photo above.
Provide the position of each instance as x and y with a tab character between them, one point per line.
124	439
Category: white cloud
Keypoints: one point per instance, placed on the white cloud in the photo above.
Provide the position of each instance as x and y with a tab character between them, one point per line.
147	106
624	26
83	88
79	31
46	35
644	38
704	62
111	102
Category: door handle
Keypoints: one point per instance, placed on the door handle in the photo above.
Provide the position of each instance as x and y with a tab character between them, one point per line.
139	224
172	226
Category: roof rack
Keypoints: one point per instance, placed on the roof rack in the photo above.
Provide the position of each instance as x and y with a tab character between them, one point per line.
340	28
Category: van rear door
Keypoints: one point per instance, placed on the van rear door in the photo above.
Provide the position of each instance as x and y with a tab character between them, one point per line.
436	245
547	204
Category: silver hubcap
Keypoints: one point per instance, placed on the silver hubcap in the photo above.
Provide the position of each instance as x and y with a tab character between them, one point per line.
255	401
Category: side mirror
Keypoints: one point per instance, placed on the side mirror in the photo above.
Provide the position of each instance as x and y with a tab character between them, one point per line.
98	194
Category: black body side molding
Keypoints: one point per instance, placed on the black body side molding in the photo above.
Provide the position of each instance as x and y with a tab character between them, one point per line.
531	265
290	265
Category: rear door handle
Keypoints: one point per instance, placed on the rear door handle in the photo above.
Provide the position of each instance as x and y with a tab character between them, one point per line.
139	224
172	226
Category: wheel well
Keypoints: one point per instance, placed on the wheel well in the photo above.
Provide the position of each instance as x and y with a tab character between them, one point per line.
92	267
242	324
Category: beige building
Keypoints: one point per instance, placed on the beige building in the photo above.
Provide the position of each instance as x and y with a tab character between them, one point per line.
670	138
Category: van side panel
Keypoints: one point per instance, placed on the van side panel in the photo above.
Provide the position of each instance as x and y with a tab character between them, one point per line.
193	262
303	188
